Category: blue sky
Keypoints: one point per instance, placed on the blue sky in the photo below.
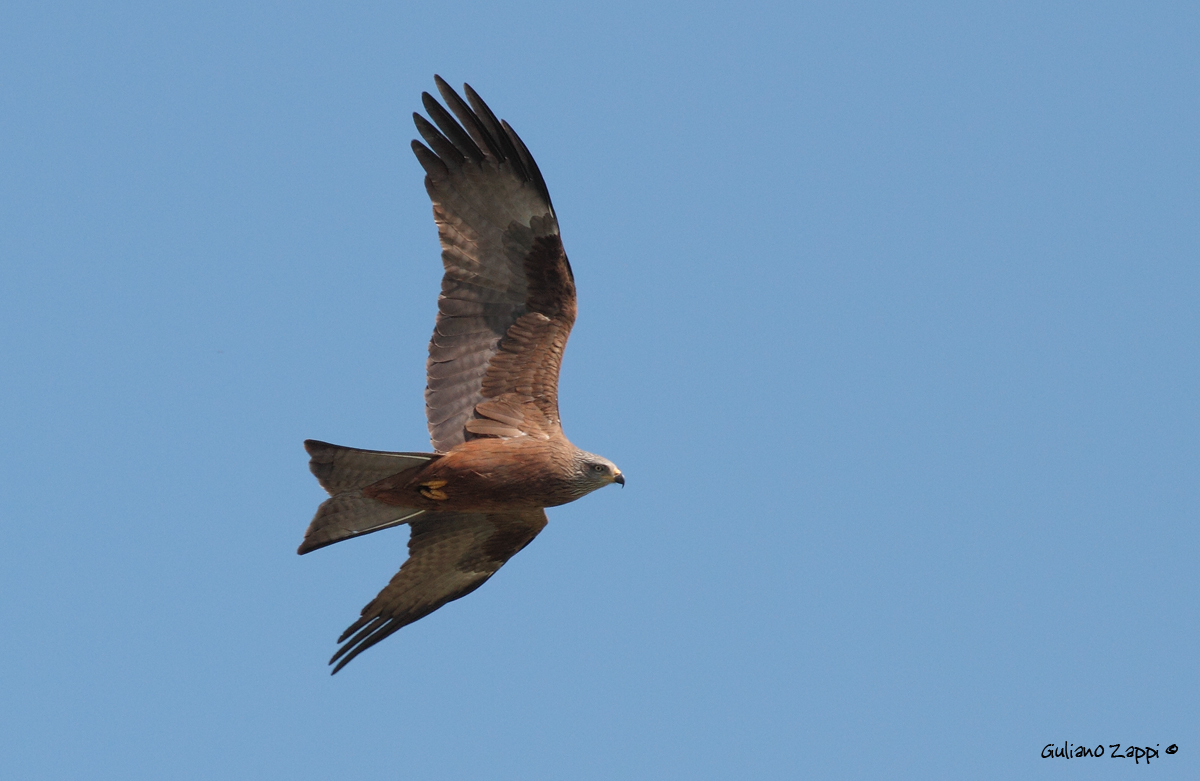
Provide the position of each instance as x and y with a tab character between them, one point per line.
888	312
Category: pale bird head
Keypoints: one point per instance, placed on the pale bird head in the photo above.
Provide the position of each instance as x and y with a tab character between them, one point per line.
593	471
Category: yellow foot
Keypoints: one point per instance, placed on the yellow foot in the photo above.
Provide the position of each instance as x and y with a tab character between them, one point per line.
432	490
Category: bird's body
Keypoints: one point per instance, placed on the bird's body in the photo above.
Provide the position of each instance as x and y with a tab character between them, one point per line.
486	475
504	314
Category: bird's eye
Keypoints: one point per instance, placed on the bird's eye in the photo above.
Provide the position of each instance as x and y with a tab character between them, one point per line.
597	467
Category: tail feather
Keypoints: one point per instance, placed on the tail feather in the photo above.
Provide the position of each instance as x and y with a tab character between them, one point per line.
344	472
340	469
349	515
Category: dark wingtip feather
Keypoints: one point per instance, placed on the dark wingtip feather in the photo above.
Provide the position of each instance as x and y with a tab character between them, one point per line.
475	133
464	141
531	166
439	143
488	118
432	164
355	627
376	630
470	122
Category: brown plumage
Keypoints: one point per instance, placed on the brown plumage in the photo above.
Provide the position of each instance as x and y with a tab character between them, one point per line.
504	314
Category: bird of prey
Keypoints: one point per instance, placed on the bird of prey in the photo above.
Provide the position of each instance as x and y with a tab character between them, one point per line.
506	307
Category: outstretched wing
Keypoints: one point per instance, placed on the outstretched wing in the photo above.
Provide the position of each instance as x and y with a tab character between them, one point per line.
508	295
449	556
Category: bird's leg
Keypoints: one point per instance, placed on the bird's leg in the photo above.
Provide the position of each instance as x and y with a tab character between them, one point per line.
431	489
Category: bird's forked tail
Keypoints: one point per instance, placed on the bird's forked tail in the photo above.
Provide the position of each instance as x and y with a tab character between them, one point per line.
344	472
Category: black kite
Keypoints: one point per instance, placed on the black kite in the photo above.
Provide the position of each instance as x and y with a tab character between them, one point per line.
505	311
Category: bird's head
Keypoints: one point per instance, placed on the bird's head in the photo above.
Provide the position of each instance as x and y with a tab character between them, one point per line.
593	471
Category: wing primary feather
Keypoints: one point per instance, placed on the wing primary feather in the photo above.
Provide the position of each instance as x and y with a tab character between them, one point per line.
496	131
469	121
385	630
371	625
440	144
432	164
452	130
531	166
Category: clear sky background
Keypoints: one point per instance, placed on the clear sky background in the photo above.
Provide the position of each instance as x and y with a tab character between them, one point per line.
888	311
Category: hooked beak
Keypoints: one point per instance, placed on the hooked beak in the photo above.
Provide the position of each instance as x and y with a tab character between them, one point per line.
619	479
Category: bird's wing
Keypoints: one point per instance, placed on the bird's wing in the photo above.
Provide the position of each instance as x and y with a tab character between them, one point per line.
508	296
449	556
